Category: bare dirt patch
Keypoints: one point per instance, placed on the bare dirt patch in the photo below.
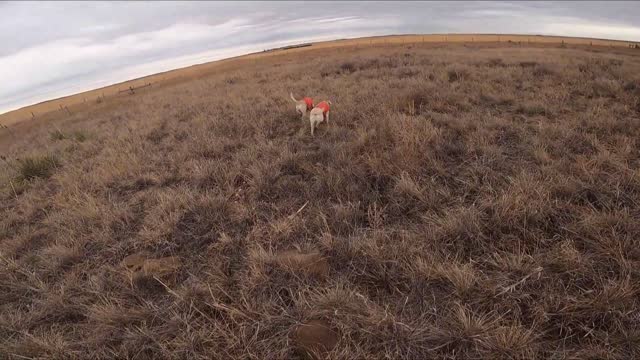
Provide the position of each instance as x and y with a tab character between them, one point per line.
315	338
310	263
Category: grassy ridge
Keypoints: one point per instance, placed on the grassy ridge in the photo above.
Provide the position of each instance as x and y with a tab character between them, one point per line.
84	100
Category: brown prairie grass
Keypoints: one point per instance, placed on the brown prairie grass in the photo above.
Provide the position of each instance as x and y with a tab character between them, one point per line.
465	202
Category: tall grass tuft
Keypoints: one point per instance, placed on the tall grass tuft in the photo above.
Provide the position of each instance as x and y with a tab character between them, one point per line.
37	167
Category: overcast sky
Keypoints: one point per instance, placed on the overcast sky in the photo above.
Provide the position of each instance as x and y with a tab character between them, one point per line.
53	49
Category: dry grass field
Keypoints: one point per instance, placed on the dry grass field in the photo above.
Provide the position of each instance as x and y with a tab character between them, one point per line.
466	201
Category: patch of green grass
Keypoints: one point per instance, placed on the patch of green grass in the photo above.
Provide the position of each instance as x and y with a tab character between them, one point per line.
457	75
532	109
542	70
78	135
347	67
527	64
36	167
57	135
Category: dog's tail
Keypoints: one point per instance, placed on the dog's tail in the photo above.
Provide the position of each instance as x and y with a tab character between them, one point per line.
292	98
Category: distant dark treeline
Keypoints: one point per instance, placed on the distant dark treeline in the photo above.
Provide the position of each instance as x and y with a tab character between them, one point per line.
289	47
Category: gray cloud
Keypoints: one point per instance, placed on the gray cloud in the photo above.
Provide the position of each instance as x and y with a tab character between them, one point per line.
53	49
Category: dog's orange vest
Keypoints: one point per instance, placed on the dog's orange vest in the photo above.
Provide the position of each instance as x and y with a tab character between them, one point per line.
324	106
309	103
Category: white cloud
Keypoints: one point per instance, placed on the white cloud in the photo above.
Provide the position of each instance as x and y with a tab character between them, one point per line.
92	64
55	61
577	27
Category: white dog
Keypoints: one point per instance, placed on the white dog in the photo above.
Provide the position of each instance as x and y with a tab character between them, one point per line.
319	114
302	106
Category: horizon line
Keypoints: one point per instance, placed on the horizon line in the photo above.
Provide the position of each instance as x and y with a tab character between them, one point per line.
303	43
